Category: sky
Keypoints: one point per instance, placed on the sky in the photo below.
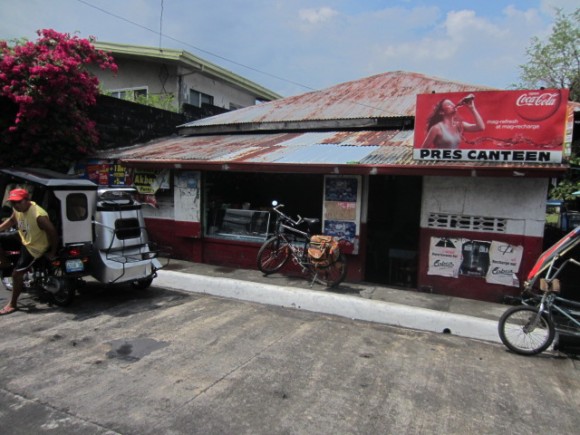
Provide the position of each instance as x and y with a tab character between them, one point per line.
296	46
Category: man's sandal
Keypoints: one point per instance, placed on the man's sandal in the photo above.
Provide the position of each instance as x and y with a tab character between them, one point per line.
7	310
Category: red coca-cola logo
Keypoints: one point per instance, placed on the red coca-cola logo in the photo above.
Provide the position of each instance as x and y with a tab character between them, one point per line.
538	105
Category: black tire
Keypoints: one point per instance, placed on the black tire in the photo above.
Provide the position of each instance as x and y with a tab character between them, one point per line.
65	296
513	330
142	284
332	275
273	255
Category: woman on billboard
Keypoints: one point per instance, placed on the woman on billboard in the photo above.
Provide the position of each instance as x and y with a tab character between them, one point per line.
445	128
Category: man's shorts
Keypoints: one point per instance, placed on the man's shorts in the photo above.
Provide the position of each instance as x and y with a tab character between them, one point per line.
25	261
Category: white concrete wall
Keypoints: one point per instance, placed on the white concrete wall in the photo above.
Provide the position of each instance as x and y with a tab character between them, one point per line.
222	93
522	201
133	74
165	207
164	79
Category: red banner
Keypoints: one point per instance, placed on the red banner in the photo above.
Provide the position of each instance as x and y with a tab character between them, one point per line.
491	126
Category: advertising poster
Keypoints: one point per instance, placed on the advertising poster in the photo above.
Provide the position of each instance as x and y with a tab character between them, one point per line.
342	210
97	171
444	256
491	126
497	262
119	175
475	258
504	263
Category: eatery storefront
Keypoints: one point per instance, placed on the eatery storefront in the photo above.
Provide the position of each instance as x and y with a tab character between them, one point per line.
449	225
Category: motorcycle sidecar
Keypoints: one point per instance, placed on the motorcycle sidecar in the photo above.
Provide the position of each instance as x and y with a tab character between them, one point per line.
121	248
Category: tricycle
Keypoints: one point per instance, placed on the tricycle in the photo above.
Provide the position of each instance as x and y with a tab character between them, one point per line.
550	310
101	232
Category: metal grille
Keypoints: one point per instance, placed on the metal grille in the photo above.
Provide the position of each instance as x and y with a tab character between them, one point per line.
467	223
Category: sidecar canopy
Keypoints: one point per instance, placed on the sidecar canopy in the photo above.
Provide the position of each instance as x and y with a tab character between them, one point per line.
69	200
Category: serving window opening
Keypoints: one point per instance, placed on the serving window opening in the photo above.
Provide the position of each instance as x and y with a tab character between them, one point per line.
237	205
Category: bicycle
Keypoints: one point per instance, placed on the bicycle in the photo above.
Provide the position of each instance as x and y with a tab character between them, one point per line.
530	328
290	242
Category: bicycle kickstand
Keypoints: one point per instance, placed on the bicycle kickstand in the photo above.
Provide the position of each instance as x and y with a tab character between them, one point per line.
313	279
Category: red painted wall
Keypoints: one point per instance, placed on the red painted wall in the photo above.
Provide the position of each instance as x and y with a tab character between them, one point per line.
186	244
181	238
475	287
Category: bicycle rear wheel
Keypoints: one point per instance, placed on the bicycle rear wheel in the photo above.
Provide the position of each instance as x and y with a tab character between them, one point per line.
524	331
332	275
273	255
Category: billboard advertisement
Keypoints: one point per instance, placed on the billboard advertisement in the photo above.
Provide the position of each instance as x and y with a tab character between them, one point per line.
491	126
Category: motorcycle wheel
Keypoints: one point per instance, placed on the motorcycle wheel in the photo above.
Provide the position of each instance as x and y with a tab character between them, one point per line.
64	296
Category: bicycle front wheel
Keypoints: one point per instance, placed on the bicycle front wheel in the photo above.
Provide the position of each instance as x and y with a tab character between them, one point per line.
523	330
334	274
273	255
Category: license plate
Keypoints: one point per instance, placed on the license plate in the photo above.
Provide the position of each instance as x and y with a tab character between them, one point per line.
74	266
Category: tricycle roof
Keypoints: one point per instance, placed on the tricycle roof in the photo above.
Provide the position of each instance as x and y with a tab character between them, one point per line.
48	178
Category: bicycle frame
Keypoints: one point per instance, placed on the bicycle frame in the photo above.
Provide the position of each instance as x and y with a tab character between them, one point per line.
289	242
551	302
298	254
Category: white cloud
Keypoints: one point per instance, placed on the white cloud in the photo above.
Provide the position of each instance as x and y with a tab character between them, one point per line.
463	24
317	43
316	16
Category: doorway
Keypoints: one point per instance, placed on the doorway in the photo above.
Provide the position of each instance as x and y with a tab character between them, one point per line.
393	220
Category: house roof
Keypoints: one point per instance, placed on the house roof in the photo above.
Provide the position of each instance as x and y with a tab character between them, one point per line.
367	102
186	60
359	127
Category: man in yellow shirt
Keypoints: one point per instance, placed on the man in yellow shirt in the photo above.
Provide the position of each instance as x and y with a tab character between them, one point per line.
38	236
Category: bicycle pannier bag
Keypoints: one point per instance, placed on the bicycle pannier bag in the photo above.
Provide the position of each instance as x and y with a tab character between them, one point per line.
323	250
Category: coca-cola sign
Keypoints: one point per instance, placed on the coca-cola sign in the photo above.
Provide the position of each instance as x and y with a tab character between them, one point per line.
524	126
538	105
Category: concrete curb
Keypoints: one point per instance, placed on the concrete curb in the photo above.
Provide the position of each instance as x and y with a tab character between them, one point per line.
335	304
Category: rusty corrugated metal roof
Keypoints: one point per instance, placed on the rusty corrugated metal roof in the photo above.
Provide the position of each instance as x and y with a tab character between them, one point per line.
388	95
296	148
362	151
354	152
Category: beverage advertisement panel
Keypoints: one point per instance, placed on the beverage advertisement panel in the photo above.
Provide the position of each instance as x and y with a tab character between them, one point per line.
491	126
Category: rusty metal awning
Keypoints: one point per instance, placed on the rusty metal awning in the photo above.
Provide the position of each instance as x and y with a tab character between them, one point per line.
343	152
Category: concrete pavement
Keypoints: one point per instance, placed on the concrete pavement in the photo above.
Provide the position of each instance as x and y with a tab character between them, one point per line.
125	361
368	302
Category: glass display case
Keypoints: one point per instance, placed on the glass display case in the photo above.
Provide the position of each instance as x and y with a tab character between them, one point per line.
240	224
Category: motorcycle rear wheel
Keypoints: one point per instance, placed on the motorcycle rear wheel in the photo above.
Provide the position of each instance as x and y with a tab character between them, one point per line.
65	295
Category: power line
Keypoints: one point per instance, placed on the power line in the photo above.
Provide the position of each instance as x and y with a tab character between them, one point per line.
193	46
209	52
160	25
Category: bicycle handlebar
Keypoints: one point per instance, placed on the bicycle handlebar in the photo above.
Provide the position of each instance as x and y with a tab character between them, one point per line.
286	217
